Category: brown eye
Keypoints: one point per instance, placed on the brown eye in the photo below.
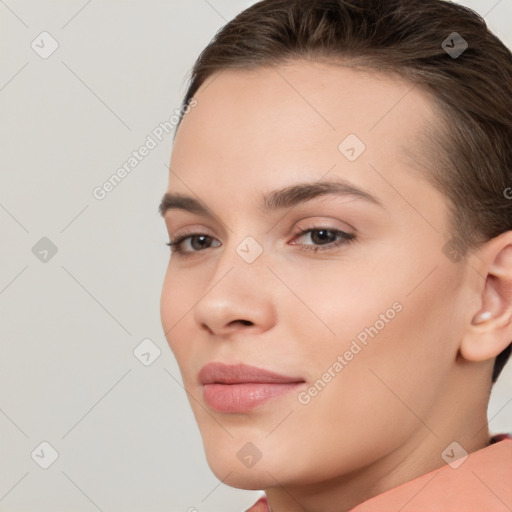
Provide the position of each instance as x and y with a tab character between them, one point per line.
202	241
196	242
322	236
324	239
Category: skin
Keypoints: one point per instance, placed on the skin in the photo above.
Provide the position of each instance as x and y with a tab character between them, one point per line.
387	416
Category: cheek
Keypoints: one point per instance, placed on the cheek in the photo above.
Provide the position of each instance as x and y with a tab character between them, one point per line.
168	304
396	346
177	299
334	303
389	329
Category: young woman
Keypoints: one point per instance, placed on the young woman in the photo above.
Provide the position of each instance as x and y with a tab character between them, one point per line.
339	295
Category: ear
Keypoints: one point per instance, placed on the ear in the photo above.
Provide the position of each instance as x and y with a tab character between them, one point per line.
490	331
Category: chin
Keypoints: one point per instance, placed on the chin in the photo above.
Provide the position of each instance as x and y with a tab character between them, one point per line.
242	465
250	479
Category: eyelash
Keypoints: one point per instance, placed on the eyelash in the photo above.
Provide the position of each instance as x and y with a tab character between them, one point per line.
176	243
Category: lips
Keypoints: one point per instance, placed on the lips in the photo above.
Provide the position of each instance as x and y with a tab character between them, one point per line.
239	388
220	373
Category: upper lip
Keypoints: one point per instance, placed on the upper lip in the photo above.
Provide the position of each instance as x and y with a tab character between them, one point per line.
239	373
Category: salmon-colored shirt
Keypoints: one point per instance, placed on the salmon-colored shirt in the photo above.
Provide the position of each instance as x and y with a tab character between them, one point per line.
478	482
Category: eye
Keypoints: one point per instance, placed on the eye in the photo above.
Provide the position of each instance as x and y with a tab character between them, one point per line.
202	242
326	238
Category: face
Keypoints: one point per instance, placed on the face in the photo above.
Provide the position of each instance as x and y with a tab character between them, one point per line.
339	285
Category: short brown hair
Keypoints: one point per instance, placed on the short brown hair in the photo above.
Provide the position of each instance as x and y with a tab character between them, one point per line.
472	92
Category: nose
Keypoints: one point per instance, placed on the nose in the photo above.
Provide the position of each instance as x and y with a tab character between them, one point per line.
239	297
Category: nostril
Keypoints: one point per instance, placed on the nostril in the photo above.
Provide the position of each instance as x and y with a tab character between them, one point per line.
245	322
208	329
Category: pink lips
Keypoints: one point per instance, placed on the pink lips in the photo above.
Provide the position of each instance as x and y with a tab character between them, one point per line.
239	388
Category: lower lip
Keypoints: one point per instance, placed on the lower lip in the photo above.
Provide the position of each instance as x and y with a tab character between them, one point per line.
233	398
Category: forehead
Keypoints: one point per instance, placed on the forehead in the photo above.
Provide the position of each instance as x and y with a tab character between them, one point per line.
331	96
268	127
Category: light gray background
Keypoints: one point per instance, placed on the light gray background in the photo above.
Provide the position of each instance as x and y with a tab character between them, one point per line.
124	432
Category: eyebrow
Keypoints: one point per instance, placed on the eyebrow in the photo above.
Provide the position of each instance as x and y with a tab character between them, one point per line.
287	197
